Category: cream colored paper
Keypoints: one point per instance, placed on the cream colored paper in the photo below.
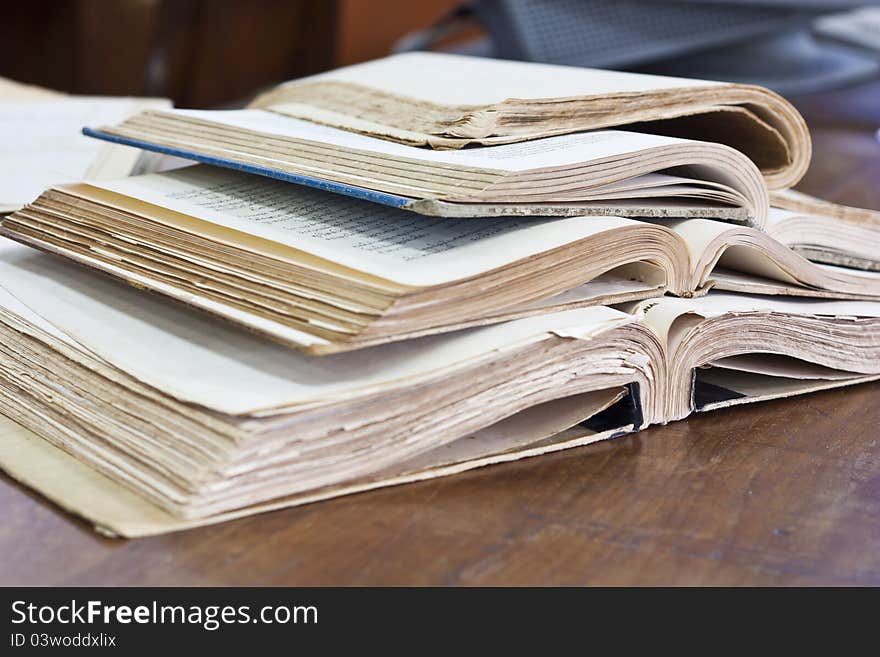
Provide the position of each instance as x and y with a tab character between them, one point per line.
200	360
396	245
116	511
43	144
782	366
716	304
760	388
436	77
564	150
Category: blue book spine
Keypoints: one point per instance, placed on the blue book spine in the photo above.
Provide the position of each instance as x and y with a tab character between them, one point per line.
391	200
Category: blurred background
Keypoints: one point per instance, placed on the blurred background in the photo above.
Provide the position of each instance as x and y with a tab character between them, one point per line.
210	53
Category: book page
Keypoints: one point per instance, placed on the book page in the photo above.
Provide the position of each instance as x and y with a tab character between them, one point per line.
12	90
11	304
760	387
455	80
43	144
526	428
801	203
671	318
393	244
776	216
715	304
747	251
200	360
838	282
778	365
116	510
698	234
563	150
827	240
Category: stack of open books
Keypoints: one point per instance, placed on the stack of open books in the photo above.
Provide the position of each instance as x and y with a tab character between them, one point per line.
413	267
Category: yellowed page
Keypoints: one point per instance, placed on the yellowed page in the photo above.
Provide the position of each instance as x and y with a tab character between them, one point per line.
739	248
564	150
759	387
437	78
194	358
795	201
671	318
393	244
448	101
715	304
754	261
116	511
783	366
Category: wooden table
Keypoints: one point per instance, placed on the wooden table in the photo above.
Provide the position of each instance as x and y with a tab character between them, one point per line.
784	492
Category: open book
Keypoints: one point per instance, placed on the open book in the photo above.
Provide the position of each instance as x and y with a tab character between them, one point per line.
607	172
450	101
828	232
327	273
794	201
153	418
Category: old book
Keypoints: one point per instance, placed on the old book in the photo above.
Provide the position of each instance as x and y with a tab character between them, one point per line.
327	273
794	201
149	418
451	101
827	232
608	172
43	144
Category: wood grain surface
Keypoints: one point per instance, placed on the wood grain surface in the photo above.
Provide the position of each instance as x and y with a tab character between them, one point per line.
779	493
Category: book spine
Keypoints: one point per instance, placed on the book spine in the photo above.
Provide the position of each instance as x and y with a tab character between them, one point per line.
392	200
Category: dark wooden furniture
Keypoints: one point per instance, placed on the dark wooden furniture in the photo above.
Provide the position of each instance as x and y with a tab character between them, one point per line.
780	493
199	53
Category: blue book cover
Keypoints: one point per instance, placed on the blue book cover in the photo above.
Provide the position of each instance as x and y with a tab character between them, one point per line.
436	207
392	200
